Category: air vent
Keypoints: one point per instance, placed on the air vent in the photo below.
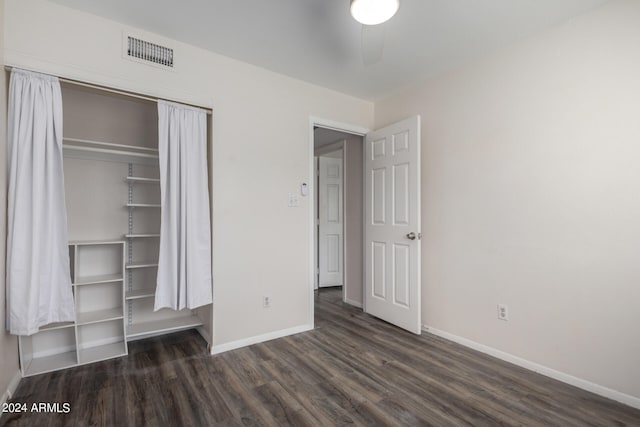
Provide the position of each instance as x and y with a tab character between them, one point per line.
149	52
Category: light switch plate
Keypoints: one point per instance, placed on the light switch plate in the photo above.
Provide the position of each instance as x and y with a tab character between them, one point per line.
294	200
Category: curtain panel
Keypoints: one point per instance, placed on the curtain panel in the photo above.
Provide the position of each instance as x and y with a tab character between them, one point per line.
38	281
184	263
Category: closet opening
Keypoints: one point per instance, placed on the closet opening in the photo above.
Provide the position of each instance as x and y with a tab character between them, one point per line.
112	199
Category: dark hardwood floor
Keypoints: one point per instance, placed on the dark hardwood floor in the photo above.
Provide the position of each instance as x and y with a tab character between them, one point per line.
352	369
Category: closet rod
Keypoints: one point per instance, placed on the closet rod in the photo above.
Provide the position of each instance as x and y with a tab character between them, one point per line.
116	91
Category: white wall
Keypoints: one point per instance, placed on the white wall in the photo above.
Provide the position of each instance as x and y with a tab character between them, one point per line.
260	152
353	203
8	344
531	197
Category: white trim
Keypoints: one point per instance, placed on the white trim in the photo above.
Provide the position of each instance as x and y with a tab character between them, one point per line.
352	302
341	127
540	369
363	236
221	348
11	388
343	144
312	222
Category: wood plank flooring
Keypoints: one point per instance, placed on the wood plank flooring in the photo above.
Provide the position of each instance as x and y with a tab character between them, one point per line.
352	369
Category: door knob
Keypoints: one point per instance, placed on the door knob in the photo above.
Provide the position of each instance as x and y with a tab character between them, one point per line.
411	236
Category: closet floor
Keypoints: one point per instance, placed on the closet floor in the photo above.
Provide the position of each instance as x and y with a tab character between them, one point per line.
352	369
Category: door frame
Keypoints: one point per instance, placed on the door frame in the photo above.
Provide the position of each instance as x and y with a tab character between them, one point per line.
341	127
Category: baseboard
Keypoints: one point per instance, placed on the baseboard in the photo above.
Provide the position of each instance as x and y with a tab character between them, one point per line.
540	369
221	348
11	389
352	302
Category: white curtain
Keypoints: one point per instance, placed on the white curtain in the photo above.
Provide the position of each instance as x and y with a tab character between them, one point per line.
38	280
184	264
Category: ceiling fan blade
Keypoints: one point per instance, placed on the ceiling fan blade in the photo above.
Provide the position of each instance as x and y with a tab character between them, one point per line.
372	43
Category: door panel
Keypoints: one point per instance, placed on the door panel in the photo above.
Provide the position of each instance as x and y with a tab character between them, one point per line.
392	259
378	265
401	282
330	222
401	195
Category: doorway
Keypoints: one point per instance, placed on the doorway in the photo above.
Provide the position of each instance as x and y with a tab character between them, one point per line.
338	211
330	216
389	222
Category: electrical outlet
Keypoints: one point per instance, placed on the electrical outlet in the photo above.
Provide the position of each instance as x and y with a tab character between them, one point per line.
266	302
503	312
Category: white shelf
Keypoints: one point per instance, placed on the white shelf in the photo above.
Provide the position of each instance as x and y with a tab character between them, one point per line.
99	316
108	145
93	280
59	325
140	293
140	236
51	363
102	352
163	326
149	264
143	205
95	242
87	149
142	180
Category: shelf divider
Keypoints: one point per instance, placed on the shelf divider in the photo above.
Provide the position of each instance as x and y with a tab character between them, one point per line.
54	362
94	280
139	330
149	264
143	205
99	316
140	293
142	180
102	352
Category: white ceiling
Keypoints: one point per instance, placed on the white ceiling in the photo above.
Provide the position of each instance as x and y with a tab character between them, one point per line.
318	41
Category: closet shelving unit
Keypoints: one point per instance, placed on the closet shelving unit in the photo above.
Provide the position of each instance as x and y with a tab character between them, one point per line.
138	297
111	308
147	292
98	280
98	332
143	296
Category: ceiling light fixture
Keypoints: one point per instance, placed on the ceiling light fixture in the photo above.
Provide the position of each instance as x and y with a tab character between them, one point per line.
373	12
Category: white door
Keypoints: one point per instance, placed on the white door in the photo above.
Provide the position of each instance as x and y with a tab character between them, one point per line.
330	257
392	224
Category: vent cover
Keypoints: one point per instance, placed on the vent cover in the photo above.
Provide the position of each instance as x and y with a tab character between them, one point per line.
150	52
